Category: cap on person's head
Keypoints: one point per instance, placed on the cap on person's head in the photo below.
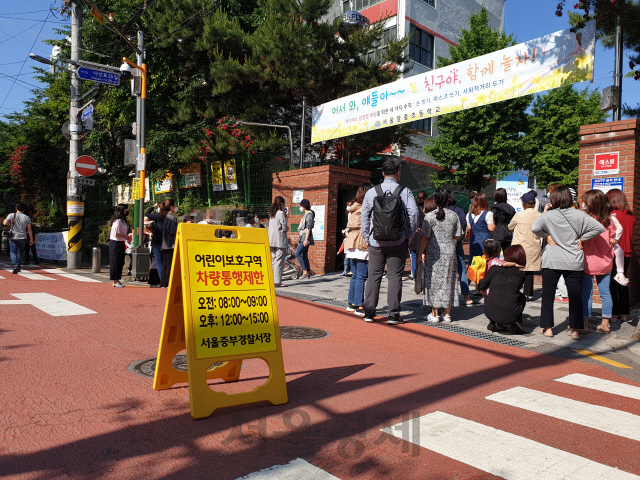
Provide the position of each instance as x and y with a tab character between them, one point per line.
305	203
534	193
528	198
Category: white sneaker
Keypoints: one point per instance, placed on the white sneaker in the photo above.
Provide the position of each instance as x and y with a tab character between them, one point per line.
431	318
621	279
118	285
446	319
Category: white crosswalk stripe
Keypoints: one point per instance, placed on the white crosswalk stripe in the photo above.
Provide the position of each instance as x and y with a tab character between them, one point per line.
31	275
600	418
50	304
595	383
510	456
71	276
297	469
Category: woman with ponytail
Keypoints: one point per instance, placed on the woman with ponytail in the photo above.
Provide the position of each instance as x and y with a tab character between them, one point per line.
440	231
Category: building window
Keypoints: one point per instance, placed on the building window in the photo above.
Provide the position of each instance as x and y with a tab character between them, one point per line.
421	47
431	3
379	48
358	4
422	126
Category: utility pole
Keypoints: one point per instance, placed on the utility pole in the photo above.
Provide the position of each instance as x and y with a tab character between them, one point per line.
617	73
304	108
74	192
140	131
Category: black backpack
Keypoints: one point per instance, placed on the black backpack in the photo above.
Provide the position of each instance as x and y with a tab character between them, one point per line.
389	213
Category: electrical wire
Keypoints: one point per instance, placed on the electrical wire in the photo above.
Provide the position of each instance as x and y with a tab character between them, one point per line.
21	81
23	64
13	36
26	13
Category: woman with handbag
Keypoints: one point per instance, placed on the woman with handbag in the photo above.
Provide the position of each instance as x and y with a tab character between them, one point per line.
306	237
355	247
564	228
480	223
278	241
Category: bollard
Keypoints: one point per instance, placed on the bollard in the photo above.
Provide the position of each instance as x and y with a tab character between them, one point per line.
95	260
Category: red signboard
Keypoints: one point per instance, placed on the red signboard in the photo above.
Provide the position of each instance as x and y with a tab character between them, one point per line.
86	166
607	163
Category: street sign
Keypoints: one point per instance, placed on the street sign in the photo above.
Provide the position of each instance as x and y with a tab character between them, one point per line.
86	166
99	76
89	182
87	112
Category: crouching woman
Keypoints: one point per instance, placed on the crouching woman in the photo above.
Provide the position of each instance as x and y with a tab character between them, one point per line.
504	302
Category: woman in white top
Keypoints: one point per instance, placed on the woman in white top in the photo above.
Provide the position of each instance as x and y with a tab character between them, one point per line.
117	237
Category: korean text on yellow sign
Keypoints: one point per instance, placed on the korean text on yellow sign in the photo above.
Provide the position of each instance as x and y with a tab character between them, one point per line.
231	299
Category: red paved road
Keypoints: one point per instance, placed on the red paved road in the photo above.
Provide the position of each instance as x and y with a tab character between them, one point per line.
71	409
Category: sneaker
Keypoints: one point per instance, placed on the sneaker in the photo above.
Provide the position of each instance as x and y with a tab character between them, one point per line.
431	318
359	313
621	279
395	321
446	318
304	275
384	276
351	308
118	285
16	270
343	274
368	319
349	274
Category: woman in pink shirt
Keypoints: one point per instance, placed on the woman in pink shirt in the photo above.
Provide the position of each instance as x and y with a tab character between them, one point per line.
598	258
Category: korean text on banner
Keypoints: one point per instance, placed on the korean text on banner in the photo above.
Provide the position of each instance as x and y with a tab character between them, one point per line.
558	59
135	189
516	184
75	209
216	176
230	174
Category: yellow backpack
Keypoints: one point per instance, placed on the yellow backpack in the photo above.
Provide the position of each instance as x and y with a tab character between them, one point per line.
477	269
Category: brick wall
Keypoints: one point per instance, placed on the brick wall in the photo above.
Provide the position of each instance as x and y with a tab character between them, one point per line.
320	185
622	137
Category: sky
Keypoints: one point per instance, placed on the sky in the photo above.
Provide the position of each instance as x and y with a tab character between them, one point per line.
24	26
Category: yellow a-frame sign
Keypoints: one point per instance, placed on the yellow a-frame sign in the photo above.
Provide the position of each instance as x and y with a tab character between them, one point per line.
221	306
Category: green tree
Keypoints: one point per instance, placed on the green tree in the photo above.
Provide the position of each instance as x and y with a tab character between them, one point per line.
473	145
554	139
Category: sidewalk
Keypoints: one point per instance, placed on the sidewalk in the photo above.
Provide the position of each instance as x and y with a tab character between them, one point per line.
331	289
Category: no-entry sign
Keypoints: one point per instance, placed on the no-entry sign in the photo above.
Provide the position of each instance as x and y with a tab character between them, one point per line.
86	166
607	163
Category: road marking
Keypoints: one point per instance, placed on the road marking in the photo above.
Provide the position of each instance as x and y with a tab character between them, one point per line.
71	276
504	454
600	418
587	353
297	469
595	383
54	306
30	275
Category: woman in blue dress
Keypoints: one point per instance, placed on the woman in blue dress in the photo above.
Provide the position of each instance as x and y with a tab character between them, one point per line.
480	223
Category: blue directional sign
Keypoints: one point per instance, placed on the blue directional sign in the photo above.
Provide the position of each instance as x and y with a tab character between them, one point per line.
99	76
87	112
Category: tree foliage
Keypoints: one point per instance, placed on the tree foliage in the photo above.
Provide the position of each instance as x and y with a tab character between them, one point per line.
554	138
605	13
473	145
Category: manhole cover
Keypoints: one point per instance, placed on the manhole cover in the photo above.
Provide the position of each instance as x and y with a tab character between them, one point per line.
302	333
147	368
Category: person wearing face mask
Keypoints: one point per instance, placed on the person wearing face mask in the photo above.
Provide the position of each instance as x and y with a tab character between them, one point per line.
157	214
117	237
170	226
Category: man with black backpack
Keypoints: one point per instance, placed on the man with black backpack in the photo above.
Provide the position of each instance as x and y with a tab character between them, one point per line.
389	218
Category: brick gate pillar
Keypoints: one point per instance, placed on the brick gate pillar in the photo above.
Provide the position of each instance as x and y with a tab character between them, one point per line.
622	137
320	186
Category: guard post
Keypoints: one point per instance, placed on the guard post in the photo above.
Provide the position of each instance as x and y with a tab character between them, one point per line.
220	307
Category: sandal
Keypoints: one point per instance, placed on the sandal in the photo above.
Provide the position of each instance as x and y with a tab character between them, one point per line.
547	332
574	335
600	328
